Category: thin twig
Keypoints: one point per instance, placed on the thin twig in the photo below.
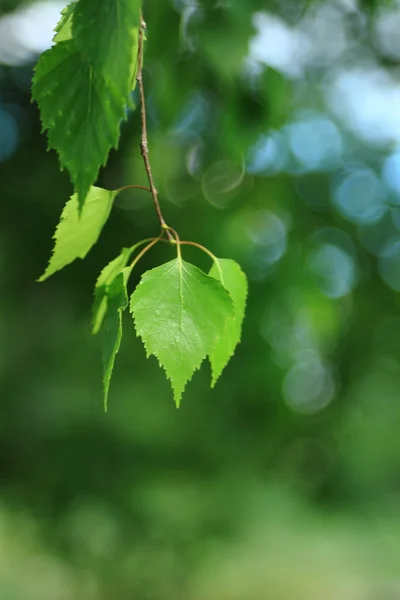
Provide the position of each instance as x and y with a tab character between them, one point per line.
144	147
210	254
134	187
200	247
146	249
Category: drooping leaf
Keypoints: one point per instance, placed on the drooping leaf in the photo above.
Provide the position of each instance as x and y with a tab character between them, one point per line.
80	110
111	328
107	33
103	284
180	314
63	29
76	234
234	281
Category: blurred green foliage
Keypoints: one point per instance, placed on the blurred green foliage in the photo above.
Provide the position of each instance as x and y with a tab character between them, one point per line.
283	481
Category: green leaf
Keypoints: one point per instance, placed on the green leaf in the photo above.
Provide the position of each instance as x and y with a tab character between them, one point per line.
107	33
80	110
234	281
76	234
64	26
110	300
103	284
111	328
180	313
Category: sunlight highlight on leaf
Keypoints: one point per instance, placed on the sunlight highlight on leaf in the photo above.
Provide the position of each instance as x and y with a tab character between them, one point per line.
235	282
76	234
111	328
180	314
103	285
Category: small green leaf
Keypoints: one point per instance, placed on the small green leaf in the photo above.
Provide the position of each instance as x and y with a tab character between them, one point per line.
180	313
80	110
111	328
110	300
234	281
103	283
107	33
76	234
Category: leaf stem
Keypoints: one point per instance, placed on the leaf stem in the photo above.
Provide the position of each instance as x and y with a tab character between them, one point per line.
142	242
153	242
207	251
144	146
134	187
176	241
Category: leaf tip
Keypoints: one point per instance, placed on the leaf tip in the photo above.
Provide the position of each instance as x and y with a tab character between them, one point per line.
43	277
106	384
178	392
215	375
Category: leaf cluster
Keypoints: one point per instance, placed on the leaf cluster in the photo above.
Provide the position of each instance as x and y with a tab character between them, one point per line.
82	85
181	313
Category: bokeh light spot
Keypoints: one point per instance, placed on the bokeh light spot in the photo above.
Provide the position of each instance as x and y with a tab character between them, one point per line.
28	31
391	173
360	197
374	237
315	142
268	155
268	231
308	387
221	181
334	269
389	264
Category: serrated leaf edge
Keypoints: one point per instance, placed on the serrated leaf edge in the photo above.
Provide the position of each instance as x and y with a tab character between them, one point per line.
106	377
215	378
97	326
46	127
177	397
107	380
54	236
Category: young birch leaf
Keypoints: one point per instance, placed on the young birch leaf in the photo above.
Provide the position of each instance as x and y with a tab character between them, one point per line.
80	110
234	281
103	284
76	234
180	314
107	33
111	328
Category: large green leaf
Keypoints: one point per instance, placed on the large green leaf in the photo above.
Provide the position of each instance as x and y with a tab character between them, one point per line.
234	281
111	328
80	110
103	284
180	314
107	35
77	233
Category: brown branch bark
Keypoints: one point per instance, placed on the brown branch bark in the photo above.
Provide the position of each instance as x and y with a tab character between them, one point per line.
144	146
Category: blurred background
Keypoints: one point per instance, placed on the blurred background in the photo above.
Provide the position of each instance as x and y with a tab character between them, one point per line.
274	131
